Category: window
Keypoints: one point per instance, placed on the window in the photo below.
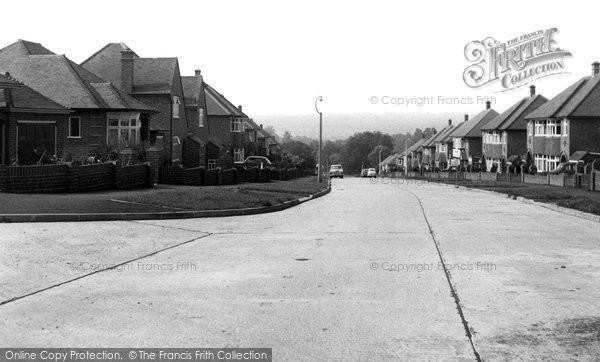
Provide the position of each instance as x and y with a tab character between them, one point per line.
504	138
176	103
546	163
540	128
200	117
236	125
74	127
564	128
123	131
530	129
238	155
212	164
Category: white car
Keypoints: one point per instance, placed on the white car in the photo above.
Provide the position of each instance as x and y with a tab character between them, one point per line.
336	171
371	173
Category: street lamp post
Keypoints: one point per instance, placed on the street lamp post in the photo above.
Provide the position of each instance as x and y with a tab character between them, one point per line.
319	171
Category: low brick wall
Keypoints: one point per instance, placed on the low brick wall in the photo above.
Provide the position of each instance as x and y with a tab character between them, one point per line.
132	177
488	176
536	179
556	180
264	175
251	174
211	177
228	177
96	177
171	175
193	176
64	178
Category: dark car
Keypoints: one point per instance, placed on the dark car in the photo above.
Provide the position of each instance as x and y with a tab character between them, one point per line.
257	161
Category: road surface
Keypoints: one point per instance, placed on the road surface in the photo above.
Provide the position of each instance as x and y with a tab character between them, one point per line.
376	270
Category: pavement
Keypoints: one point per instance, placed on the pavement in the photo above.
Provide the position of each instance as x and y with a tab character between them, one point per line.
375	270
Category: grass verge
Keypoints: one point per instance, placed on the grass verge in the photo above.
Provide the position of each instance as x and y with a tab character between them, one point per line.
228	196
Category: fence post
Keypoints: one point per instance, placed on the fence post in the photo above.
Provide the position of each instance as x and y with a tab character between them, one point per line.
153	157
592	180
125	156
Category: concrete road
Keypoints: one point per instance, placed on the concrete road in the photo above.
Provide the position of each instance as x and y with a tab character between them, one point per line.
373	271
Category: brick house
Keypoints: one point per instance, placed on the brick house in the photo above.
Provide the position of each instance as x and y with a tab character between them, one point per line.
153	81
32	127
101	115
467	140
227	123
443	146
567	123
506	135
267	145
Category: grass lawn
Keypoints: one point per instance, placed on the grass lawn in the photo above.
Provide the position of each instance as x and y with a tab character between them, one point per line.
228	196
578	199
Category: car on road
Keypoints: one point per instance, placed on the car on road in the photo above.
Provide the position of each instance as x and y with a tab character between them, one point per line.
257	161
371	173
336	171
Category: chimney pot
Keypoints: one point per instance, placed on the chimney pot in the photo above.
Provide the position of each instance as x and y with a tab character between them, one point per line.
449	122
488	105
466	117
198	72
240	108
127	70
595	69
532	91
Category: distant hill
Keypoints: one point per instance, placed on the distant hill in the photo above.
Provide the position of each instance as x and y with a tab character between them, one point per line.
341	126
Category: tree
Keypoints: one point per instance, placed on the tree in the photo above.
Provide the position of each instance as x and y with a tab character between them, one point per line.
287	137
271	131
358	147
373	156
298	154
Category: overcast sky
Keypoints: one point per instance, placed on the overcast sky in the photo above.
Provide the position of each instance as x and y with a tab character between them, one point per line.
275	57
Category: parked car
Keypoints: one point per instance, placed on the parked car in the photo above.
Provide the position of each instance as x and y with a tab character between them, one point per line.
371	173
257	161
450	169
568	167
363	172
336	171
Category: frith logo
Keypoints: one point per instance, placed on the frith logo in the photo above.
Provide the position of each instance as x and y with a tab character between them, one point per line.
516	62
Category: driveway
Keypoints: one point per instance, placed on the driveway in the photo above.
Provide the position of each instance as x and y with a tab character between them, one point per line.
376	270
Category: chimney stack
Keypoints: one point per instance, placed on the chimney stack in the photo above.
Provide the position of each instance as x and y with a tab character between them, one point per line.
127	70
532	91
197	72
449	122
466	117
488	105
261	127
595	69
240	108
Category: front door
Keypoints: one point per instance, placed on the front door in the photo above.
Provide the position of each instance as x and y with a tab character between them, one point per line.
36	142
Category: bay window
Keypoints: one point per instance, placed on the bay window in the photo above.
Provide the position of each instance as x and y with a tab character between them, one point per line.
123	129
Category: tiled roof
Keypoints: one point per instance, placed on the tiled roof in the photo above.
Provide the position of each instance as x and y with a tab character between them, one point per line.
65	82
514	117
472	127
16	95
218	105
150	75
191	89
416	145
22	48
443	135
581	99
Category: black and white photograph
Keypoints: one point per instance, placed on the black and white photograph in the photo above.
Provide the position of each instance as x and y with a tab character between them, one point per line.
309	180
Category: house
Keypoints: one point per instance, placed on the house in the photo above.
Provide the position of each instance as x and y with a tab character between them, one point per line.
267	145
102	116
153	81
567	123
227	123
32	127
201	149
413	154
466	139
426	152
506	135
442	143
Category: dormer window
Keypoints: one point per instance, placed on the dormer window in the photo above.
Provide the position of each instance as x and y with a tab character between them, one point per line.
176	103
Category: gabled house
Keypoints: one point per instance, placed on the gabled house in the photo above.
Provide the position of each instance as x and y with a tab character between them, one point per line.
426	152
414	154
101	114
226	123
506	135
466	139
442	147
267	145
567	123
153	81
32	127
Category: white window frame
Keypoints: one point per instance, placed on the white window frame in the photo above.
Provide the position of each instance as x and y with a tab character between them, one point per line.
70	120
540	128
176	104
129	118
564	129
237	125
530	129
211	164
238	155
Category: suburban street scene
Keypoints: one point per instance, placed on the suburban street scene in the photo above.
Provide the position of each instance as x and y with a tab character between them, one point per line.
299	181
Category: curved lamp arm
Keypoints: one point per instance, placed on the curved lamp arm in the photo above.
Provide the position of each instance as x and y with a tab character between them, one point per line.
319	99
